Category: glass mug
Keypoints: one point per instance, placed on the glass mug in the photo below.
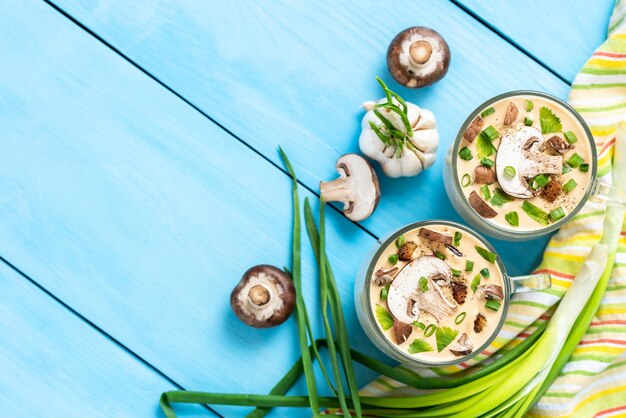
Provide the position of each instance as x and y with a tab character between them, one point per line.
496	226
366	307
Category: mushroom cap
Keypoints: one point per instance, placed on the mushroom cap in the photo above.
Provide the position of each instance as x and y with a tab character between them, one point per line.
418	56
520	148
403	294
357	187
264	297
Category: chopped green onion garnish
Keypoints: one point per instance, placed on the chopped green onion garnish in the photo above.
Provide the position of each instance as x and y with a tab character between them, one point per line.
469	265
565	169
393	259
535	213
456	273
542	180
485	191
512	218
400	241
457	238
493	304
491	132
465	154
575	160
423	284
475	283
528	121
485	272
486	254
557	214
584	168
440	255
430	330
487	112
466	180
529	105
570	185
487	162
459	318
420	325
509	171
571	138
500	198
385	291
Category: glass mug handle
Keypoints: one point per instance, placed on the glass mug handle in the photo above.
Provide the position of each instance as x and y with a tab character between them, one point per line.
530	283
610	195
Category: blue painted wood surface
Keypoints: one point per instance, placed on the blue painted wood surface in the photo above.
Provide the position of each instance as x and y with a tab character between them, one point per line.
138	211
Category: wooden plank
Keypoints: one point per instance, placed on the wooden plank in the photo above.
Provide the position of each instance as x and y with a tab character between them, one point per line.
141	214
561	34
275	72
56	365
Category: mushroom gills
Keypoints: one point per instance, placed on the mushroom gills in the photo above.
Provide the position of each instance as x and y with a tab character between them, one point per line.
520	148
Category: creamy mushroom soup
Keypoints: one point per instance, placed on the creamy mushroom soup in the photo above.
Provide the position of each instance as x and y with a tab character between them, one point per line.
437	293
524	163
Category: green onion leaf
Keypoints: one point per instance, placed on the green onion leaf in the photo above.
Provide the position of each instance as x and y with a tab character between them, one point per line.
384	318
465	154
440	255
419	325
469	265
393	259
384	292
486	254
570	136
419	346
509	171
485	273
487	112
500	198
466	180
584	168
400	241
485	191
570	185
487	162
430	330
459	318
445	336
528	105
491	132
475	283
575	160
493	304
557	214
565	169
423	284
512	218
535	213
528	121
456	273
550	123
542	180
457	238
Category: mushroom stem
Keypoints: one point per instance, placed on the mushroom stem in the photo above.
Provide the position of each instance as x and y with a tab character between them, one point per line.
420	52
259	295
336	190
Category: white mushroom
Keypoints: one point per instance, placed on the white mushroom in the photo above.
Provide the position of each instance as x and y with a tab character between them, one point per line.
357	187
520	149
405	299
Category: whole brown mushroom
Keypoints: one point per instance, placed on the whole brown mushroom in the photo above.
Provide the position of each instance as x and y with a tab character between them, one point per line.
264	297
418	57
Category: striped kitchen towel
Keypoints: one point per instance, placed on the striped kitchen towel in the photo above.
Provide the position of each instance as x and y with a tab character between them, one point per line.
593	383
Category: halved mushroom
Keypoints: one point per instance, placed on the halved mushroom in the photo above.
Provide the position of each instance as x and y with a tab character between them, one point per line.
405	252
459	292
418	57
474	128
526	163
405	299
357	187
401	331
559	144
484	175
511	114
384	276
481	206
435	236
479	323
265	297
463	346
490	291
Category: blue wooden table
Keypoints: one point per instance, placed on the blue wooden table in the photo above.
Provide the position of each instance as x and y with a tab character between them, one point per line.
140	177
